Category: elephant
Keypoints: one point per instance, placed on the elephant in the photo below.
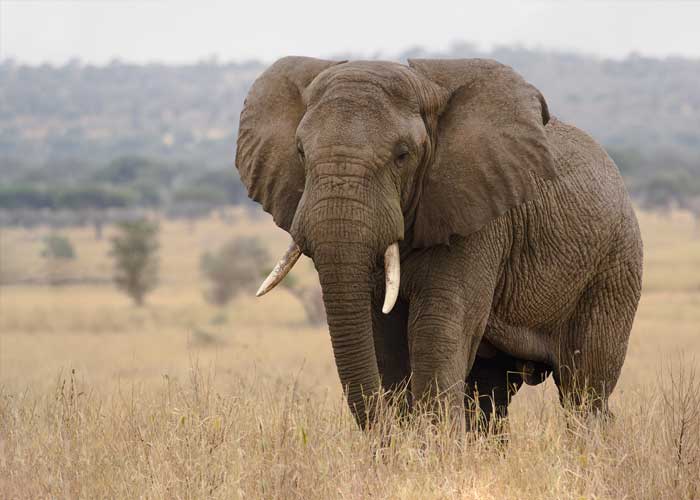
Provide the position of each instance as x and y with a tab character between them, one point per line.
465	240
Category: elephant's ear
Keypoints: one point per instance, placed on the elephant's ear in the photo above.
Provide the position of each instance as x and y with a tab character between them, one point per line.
490	148
266	153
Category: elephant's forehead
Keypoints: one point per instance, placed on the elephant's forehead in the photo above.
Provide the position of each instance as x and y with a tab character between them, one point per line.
365	80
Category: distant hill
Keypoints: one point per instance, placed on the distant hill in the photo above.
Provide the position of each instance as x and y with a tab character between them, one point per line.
76	117
97	113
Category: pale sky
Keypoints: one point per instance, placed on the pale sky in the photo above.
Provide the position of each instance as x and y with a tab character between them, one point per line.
176	31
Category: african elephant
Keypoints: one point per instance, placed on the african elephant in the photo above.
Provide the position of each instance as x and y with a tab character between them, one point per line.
459	231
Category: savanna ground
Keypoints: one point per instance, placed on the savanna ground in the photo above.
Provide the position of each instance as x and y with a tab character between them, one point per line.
179	399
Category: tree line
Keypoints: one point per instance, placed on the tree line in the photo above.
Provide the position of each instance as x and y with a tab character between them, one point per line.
159	136
125	182
657	182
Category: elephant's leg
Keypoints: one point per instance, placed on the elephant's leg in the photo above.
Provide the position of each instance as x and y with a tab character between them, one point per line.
450	304
391	348
491	384
593	343
440	350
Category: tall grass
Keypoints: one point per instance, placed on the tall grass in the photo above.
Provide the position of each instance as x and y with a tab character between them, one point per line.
266	439
102	400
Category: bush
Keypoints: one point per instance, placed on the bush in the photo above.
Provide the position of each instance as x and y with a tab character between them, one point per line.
135	253
58	247
58	252
235	268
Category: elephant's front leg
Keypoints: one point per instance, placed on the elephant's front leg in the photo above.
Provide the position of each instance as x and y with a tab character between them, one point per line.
448	313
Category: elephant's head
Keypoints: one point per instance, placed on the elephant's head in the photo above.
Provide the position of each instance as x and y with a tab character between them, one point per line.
353	157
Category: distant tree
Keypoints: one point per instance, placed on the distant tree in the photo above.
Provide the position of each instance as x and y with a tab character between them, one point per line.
135	254
234	268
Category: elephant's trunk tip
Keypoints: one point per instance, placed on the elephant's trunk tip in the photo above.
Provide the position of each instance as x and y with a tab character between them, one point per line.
392	274
283	266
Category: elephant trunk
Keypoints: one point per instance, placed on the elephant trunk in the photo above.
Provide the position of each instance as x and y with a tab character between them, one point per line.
346	227
344	272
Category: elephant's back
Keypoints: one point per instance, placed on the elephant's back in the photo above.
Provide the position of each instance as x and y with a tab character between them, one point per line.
590	178
583	163
589	190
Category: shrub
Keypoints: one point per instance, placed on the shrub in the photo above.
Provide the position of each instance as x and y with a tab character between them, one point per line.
57	247
233	269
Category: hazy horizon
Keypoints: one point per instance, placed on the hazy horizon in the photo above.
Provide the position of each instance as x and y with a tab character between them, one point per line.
393	56
178	32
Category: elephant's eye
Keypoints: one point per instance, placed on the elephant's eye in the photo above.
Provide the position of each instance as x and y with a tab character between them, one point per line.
300	150
401	155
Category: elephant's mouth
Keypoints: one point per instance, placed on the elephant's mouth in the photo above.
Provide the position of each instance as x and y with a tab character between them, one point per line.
392	273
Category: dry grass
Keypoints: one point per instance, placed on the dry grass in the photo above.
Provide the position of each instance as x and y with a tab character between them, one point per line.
100	399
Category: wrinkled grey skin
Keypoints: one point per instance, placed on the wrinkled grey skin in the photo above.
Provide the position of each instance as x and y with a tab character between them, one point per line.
520	251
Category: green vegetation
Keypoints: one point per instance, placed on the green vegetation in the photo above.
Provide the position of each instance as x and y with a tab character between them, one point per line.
57	247
135	253
126	182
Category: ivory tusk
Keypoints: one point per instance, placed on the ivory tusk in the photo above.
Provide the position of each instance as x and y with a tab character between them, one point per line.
392	274
285	264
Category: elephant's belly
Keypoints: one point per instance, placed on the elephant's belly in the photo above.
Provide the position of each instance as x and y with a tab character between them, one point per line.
521	323
517	341
544	300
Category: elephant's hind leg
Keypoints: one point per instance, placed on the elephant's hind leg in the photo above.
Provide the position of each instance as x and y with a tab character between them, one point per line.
593	343
490	385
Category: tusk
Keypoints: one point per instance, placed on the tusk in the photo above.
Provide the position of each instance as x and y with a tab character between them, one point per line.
392	273
285	264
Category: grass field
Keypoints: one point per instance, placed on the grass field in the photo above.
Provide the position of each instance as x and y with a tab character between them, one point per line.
181	400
